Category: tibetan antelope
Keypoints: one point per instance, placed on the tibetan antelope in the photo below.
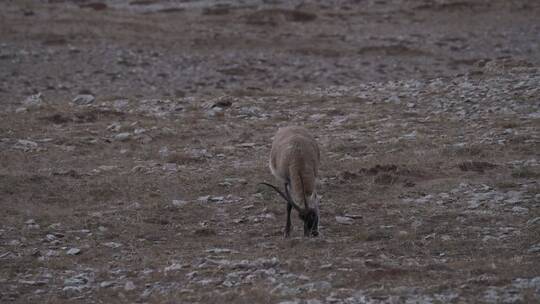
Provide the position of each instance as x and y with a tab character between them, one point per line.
294	162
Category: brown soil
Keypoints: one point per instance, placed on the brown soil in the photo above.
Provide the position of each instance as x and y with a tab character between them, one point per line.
426	112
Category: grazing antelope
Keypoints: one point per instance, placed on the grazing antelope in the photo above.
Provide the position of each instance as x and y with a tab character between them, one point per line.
294	161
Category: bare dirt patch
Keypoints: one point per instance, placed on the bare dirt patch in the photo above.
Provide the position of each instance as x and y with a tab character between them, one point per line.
427	114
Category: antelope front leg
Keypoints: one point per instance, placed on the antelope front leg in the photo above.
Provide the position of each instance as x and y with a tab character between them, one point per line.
288	224
289	208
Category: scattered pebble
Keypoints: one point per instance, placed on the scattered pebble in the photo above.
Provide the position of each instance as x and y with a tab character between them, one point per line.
179	203
122	136
26	145
533	221
107	284
220	250
112	244
84	99
73	251
344	220
129	286
173	267
534	249
33	100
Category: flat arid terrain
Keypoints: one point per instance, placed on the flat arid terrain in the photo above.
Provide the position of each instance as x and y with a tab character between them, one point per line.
133	134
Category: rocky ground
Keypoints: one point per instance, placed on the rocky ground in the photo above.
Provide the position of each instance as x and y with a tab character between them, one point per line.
133	135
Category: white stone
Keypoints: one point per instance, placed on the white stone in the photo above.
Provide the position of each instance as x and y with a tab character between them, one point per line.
84	99
129	286
73	251
344	220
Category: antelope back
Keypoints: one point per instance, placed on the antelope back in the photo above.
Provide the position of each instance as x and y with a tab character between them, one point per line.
294	159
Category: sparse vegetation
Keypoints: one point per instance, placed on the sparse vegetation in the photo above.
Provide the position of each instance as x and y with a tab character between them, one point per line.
133	135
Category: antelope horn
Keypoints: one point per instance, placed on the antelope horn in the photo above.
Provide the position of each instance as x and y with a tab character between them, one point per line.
285	197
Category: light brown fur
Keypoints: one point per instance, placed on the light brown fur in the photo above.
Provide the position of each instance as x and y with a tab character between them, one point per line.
295	152
294	161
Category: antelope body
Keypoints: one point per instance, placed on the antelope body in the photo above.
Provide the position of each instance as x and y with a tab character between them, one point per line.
294	162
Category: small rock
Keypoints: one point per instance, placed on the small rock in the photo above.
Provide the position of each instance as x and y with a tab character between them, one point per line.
285	290
393	99
129	286
203	199
221	103
344	220
216	198
139	131
534	248
411	135
52	253
403	233
146	293
164	152
112	244
33	226
534	115
533	221
106	168
316	286
50	237
80	279
514	197
84	99
114	127
73	251
106	284
179	203
120	104
518	209
444	195
215	112
173	267
326	266
237	181
172	167
424	199
474	203
228	283
317	117
219	250
192	275
239	220
33	100
25	145
206	282
122	136
268	215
